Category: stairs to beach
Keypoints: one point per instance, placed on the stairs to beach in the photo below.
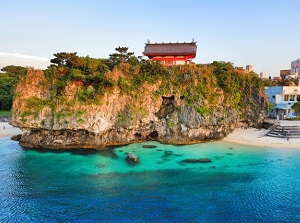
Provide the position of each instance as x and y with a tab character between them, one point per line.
284	132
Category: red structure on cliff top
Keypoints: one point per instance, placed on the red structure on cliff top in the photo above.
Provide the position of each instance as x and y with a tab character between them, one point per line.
171	53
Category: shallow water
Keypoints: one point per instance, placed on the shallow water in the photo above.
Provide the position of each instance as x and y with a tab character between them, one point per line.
241	184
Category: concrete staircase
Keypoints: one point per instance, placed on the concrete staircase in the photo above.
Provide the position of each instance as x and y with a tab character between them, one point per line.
284	131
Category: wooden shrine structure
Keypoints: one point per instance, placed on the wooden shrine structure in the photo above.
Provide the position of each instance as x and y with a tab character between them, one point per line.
171	53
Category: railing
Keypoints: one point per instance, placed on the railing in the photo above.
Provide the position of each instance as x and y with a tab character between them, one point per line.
270	129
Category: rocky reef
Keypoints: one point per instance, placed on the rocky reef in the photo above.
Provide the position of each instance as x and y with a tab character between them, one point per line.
53	117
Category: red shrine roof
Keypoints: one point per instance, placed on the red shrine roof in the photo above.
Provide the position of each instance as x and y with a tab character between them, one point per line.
170	49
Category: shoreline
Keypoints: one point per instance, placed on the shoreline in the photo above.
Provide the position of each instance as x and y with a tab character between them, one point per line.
249	136
7	130
256	137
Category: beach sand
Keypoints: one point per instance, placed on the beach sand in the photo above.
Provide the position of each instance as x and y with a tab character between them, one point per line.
256	137
6	130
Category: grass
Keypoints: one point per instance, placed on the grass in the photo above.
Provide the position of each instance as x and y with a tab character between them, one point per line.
7	113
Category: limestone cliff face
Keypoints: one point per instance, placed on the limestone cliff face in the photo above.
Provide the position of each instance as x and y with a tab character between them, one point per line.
118	118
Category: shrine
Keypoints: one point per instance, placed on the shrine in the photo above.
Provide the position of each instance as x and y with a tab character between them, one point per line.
171	53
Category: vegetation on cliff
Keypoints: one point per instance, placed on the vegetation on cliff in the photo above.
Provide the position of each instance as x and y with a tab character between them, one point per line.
206	89
8	81
87	102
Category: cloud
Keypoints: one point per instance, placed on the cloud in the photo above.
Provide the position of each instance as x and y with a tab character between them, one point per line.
17	59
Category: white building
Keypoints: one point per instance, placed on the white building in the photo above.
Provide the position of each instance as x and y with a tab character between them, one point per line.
283	98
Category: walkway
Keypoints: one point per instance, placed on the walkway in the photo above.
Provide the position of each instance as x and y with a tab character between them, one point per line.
284	129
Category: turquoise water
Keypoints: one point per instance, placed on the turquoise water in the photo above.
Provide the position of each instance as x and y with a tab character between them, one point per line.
241	184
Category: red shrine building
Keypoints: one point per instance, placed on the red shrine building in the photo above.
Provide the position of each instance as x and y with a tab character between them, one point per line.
171	53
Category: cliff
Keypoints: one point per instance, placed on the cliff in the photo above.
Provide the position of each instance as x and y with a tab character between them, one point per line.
185	105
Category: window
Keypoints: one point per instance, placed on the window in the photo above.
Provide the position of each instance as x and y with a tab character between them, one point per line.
292	97
168	62
286	97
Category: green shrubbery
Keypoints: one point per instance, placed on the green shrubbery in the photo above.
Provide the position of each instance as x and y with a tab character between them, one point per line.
34	106
8	82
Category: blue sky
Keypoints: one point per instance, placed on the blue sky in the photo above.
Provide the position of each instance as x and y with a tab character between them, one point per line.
263	33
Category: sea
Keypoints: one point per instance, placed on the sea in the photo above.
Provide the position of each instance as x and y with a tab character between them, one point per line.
240	184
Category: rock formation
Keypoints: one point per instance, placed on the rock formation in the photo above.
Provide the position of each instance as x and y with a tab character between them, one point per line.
60	121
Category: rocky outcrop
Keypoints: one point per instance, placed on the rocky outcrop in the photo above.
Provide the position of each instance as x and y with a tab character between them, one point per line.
60	121
16	137
131	158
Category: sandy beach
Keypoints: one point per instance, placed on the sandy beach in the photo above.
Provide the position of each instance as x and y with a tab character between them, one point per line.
256	137
6	130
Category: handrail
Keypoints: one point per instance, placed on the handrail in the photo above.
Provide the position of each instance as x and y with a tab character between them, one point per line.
270	129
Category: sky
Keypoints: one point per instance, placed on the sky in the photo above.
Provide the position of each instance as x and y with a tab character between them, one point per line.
263	33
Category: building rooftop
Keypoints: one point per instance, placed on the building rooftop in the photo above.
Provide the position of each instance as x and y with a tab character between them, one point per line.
171	49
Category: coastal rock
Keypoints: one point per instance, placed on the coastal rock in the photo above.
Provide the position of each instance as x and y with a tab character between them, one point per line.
16	137
61	122
131	158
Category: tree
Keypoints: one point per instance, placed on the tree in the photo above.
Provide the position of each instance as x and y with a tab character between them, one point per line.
269	82
133	61
94	66
66	59
121	57
8	81
15	70
7	84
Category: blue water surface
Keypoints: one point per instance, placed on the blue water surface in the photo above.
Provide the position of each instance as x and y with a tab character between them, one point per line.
241	184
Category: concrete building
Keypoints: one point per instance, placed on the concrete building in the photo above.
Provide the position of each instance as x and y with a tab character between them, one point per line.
285	73
282	99
249	68
295	67
262	75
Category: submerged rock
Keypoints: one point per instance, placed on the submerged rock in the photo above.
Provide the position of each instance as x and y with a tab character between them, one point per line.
205	160
168	153
181	164
178	154
108	153
190	161
101	165
131	158
193	160
149	146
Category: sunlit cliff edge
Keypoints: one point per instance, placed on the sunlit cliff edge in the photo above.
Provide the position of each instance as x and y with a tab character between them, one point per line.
60	109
